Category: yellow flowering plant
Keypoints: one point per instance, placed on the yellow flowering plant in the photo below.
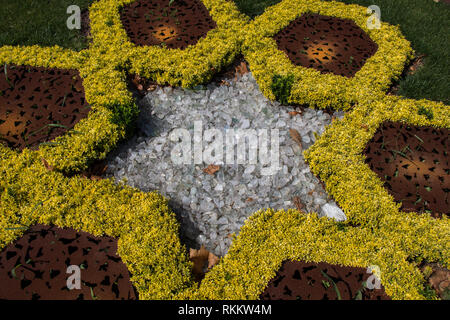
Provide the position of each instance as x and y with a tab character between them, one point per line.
310	87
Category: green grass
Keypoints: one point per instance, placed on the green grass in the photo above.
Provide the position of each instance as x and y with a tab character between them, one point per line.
43	22
254	8
424	23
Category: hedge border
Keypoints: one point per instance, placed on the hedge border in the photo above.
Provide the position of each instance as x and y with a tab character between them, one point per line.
148	243
187	67
310	86
268	238
94	136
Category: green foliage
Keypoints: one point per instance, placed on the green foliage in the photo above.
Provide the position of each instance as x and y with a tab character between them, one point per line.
281	87
426	112
124	115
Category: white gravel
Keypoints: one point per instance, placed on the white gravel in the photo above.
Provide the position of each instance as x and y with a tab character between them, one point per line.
212	207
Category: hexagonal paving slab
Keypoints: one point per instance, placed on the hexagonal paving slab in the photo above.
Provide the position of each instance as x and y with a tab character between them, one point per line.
35	266
413	162
327	44
38	104
177	24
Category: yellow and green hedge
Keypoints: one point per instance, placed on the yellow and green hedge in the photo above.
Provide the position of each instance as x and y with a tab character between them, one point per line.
337	159
187	67
269	238
310	87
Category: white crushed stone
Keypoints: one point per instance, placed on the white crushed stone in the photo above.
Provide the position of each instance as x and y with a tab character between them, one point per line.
212	207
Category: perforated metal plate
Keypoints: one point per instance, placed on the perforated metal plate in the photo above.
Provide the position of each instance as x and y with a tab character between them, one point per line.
316	281
327	44
35	266
38	104
414	164
177	24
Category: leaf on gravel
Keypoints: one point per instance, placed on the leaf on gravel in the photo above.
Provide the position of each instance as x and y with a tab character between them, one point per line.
298	204
211	169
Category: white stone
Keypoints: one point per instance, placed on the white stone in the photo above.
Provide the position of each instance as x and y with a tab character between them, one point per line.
333	211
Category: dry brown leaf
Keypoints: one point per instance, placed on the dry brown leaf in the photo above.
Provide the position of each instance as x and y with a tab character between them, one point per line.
249	200
211	169
242	68
298	204
212	260
294	113
203	261
46	165
296	137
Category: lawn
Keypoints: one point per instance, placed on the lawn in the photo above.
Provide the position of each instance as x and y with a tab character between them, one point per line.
425	24
43	22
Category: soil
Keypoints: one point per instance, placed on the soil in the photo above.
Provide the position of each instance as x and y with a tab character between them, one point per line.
327	44
173	23
413	162
39	104
316	281
35	266
439	279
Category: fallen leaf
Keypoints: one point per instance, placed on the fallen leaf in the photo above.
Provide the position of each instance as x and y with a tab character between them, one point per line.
249	200
211	169
212	260
203	261
78	87
242	68
296	137
46	165
298	204
294	113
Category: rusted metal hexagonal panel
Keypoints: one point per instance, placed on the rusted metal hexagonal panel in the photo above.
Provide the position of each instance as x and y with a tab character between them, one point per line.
327	44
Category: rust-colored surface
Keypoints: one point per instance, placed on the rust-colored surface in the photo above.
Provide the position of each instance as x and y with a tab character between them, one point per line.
38	104
307	281
34	266
177	23
327	44
414	164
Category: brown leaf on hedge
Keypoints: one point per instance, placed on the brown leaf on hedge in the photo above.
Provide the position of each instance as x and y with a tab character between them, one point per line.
211	169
